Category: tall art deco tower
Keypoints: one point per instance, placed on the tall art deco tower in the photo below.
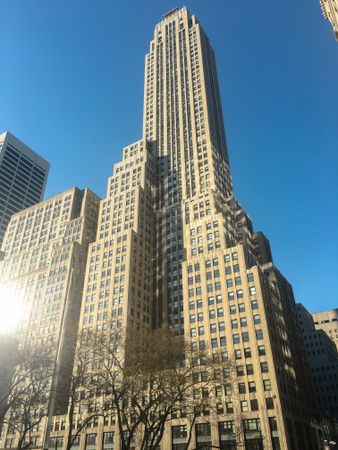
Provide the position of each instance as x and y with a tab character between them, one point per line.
183	123
174	247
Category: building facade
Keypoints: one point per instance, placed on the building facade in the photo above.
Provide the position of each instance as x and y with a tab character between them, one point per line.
328	322
23	178
330	12
45	250
174	247
322	355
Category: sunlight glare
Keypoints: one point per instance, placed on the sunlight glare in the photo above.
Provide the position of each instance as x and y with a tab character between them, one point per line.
11	309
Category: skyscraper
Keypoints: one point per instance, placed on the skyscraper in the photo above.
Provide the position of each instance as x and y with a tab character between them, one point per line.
23	178
330	12
174	247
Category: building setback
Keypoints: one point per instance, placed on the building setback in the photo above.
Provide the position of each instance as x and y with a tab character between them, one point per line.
23	178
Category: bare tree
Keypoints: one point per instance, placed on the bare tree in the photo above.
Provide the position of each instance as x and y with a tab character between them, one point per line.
83	406
9	359
152	378
27	399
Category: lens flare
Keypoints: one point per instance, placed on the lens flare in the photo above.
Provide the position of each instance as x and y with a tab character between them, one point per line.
11	309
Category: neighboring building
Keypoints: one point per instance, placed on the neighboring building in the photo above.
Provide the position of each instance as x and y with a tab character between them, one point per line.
322	356
328	322
23	178
330	11
45	258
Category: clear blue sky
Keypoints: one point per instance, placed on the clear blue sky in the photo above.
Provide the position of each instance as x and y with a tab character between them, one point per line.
71	87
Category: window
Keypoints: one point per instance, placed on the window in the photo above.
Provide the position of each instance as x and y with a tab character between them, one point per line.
220	408
267	385
243	322
231	295
236	339
261	350
234	323
250	277
179	437
252	386
91	441
239	293
245	336
241	307
254	404
238	281
252	433
214	343
226	258
200	331
57	442
238	354
241	388
247	352
192	318
254	304
203	434
274	433
222	341
229	407
257	319
240	370
264	367
244	406
252	290
213	328
232	309
228	389
108	441
221	326
269	403
249	369
259	334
